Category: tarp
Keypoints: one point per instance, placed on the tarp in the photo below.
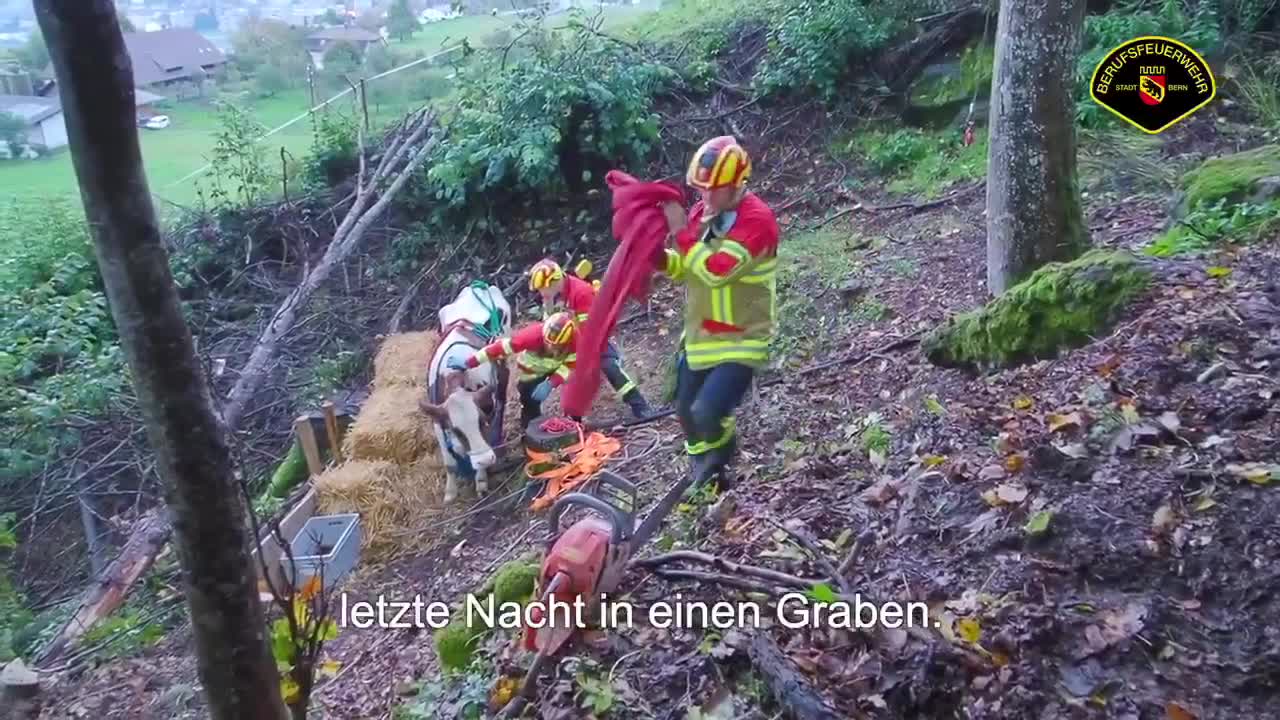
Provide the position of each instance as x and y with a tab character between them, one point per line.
640	228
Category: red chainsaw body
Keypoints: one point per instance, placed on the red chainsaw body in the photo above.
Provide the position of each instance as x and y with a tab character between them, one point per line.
571	568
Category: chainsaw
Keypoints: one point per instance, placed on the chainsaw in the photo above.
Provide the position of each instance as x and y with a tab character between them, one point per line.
589	559
586	561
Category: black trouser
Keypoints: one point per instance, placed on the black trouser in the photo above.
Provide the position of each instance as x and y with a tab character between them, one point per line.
611	365
529	408
705	401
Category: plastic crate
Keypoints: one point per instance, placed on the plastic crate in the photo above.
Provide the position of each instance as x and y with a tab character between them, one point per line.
328	542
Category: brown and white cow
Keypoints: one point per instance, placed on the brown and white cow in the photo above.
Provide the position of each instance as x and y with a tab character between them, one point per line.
468	407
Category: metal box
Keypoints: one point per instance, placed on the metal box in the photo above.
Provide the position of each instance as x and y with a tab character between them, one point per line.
331	542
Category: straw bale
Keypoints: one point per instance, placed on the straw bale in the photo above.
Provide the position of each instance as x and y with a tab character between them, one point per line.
393	501
404	359
391	427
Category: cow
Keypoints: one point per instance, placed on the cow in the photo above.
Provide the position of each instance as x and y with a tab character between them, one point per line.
467	408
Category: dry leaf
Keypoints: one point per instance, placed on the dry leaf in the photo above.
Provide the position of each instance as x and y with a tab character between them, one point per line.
1074	450
885	489
932	461
1015	462
1116	626
1164	520
1068	421
1170	421
969	630
1006	494
992	472
1022	402
1175	711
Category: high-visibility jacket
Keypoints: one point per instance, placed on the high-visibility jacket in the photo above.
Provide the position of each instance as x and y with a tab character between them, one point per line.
730	286
534	360
576	297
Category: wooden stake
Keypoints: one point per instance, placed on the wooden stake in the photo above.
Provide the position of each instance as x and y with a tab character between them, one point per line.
307	439
331	428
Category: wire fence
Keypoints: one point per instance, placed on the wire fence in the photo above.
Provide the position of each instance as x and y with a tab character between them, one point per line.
399	100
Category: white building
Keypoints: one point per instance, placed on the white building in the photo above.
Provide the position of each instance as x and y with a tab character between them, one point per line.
46	126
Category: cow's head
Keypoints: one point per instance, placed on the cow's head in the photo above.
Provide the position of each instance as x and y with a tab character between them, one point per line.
468	406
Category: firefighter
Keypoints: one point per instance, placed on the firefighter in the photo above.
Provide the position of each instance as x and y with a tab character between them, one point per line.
726	256
563	292
544	358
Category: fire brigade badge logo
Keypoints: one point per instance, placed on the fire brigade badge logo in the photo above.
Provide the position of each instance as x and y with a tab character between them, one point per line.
1152	82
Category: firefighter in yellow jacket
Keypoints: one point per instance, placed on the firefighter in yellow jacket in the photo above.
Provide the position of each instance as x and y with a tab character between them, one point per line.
726	254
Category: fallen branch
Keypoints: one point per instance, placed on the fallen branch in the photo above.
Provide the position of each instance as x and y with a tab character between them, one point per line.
855	358
789	687
403	155
818	556
149	535
655	563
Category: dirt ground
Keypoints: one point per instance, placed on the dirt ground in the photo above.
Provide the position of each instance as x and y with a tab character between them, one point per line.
1091	534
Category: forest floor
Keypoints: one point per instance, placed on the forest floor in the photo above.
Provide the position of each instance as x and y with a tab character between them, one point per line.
1151	592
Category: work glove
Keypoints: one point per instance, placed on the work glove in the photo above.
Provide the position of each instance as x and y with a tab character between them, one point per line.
542	392
455	363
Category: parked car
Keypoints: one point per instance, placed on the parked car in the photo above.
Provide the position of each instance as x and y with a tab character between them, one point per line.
157	122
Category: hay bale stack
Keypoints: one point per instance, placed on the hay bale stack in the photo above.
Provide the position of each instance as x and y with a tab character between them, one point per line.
404	359
392	501
390	427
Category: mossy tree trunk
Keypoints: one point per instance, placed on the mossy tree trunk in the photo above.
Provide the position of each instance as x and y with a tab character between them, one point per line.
95	81
1033	202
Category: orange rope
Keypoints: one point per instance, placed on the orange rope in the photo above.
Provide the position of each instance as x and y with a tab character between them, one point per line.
572	466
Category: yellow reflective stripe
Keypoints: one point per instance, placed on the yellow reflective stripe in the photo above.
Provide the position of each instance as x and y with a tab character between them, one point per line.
582	317
507	349
734	248
563	371
712	345
626	388
727	302
728	425
674	268
481	357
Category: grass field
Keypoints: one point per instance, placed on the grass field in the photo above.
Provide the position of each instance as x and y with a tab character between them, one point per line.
171	155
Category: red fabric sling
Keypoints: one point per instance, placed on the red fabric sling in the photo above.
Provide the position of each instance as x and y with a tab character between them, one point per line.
640	228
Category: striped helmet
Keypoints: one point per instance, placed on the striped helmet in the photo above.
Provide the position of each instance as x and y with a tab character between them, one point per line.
558	330
543	273
720	162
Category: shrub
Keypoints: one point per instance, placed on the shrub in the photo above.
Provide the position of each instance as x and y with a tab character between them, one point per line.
574	95
814	42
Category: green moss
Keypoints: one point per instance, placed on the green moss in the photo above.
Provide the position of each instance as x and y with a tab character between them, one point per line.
292	470
1230	177
1060	305
512	582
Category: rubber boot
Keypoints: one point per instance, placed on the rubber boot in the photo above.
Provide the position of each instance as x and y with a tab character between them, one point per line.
715	466
639	406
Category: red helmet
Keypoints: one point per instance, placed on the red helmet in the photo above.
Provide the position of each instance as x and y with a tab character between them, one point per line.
720	162
558	330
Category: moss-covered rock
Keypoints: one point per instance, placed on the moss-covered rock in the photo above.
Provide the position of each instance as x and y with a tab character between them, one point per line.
1231	177
514	581
1060	305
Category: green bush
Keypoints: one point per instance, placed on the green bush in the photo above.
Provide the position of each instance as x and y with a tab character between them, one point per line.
815	42
1210	225
574	93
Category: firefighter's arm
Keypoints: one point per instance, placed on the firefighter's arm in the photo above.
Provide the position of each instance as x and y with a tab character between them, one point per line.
493	351
526	339
560	376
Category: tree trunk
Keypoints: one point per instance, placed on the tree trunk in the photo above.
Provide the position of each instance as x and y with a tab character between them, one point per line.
95	82
1033	202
